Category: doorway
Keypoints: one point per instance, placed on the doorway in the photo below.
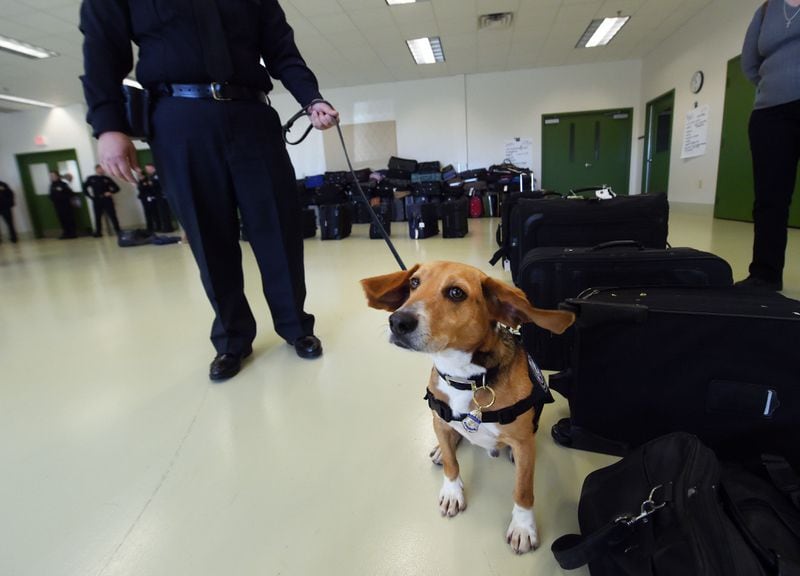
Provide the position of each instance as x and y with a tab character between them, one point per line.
734	198
34	172
583	149
658	144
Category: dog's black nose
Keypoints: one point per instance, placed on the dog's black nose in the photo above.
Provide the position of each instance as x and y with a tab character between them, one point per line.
402	323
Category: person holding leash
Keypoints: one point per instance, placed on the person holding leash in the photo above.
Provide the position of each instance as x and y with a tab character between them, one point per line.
217	143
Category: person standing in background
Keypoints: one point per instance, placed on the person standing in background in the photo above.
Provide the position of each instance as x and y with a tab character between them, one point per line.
771	61
150	197
100	188
218	144
6	205
61	195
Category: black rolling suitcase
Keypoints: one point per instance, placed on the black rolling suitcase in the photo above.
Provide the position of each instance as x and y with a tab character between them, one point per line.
455	221
334	221
578	221
422	220
383	212
718	363
548	276
309	220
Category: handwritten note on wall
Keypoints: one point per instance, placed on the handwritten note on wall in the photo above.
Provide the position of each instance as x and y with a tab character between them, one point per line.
520	152
695	133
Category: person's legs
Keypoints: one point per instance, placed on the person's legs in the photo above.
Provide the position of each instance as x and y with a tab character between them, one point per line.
775	148
98	217
264	182
112	213
8	216
191	160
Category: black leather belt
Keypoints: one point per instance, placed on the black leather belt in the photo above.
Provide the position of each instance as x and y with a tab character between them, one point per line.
214	91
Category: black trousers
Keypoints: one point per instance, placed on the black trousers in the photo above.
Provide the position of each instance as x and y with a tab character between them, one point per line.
8	216
66	216
102	205
775	148
215	158
152	215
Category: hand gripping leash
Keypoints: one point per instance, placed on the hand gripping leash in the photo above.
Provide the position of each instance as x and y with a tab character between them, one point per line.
288	126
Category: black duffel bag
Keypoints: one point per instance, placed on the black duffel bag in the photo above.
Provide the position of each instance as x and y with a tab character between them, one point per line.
669	509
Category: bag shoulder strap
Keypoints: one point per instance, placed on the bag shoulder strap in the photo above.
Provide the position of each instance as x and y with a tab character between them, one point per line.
783	476
573	550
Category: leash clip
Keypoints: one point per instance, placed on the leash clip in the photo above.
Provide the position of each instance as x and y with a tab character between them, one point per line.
648	508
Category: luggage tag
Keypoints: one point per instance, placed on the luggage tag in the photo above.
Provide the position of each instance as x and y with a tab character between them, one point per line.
474	419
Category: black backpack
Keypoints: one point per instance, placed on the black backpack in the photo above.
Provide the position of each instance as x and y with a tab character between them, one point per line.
670	509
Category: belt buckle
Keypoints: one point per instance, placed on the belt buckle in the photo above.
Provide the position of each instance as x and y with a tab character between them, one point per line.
216	89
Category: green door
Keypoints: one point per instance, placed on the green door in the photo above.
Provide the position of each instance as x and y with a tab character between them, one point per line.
34	172
657	144
585	149
734	199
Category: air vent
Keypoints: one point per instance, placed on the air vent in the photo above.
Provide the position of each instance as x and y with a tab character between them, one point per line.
496	21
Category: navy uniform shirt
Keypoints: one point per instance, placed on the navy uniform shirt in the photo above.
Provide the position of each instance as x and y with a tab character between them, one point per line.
6	196
149	187
96	186
60	191
170	51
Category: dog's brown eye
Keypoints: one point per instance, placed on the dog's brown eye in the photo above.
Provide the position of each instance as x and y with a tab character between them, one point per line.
456	294
414	283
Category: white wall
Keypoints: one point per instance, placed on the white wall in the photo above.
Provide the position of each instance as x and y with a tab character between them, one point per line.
466	121
63	128
429	115
504	105
705	43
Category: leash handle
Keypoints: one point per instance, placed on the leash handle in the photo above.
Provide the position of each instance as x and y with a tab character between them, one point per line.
304	112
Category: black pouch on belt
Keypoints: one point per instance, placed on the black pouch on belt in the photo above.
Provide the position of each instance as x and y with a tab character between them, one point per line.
137	111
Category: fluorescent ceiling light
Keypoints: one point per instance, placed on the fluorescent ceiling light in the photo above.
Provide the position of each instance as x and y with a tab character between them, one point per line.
19	100
24	49
426	50
393	2
601	31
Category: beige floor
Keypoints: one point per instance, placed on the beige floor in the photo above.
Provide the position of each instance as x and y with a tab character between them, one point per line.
120	458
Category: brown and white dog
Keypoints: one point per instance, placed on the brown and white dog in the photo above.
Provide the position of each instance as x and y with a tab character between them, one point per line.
453	312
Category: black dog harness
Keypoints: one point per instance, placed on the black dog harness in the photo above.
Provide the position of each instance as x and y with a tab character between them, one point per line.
540	395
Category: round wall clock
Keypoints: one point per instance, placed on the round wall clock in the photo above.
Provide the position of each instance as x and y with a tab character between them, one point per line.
696	83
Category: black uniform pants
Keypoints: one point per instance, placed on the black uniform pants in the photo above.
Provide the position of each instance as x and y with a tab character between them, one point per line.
8	216
775	148
66	216
152	215
101	205
214	158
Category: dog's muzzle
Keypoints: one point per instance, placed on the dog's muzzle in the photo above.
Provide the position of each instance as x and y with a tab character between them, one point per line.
403	324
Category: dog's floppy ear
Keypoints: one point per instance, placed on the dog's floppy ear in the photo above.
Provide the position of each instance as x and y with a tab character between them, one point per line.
509	306
390	291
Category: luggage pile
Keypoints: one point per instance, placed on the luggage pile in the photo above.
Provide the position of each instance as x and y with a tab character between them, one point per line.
671	366
662	341
431	198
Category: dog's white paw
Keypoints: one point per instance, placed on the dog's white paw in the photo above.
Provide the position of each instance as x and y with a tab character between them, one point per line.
451	497
436	455
522	535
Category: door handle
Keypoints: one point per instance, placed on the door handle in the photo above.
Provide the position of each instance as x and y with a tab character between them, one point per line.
587	165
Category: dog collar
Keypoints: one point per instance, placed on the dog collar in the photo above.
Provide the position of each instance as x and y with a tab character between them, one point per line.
540	395
472	382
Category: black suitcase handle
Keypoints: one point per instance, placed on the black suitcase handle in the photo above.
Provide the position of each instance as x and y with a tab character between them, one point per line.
619	244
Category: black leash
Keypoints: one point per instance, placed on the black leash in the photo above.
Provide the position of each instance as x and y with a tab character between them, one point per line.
288	126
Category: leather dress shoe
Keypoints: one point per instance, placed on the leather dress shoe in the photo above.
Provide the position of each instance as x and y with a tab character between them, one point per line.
226	365
308	347
756	283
